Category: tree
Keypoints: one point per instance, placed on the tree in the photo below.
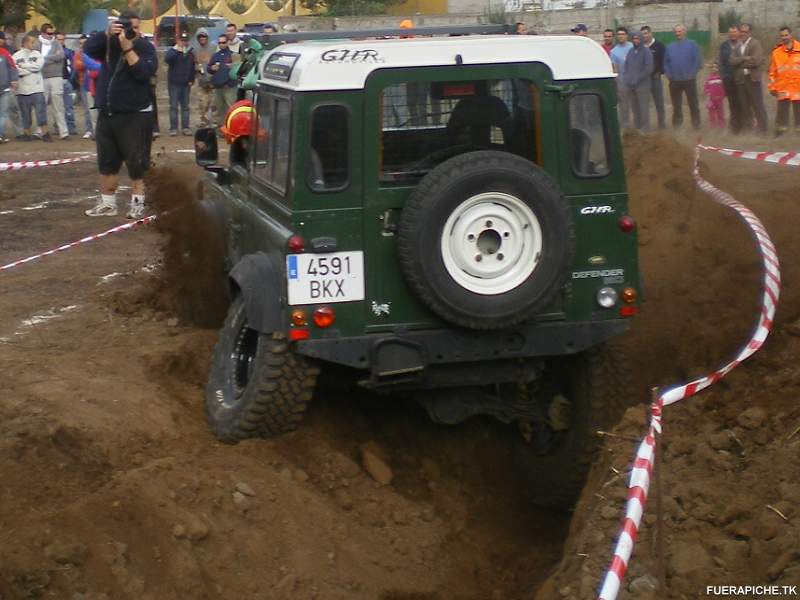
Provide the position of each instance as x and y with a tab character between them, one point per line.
14	12
67	15
144	8
199	7
238	6
346	8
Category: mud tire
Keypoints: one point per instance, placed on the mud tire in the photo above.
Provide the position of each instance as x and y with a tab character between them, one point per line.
595	382
260	390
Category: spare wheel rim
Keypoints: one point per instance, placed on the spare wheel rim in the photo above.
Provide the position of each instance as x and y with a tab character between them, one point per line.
491	243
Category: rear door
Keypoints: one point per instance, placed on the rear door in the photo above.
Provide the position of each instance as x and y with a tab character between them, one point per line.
408	130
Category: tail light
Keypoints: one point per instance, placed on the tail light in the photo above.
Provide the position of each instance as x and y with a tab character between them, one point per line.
626	223
299	318
629	295
299	334
324	317
296	244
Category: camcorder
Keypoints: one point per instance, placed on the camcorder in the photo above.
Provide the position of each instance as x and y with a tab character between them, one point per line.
127	27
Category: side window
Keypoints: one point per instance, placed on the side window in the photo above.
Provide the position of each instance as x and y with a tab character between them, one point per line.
328	165
426	123
272	134
262	164
587	136
283	132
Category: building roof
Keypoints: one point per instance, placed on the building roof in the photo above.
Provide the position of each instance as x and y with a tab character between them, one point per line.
346	64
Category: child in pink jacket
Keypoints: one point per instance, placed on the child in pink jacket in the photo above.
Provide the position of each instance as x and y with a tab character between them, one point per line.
715	92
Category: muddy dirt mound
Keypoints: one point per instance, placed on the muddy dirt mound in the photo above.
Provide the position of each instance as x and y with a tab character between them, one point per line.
730	471
115	489
699	270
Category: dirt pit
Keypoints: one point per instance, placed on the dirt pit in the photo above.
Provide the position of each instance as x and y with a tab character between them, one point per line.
730	471
114	489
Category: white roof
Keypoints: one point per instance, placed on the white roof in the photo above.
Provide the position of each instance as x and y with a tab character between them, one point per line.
346	64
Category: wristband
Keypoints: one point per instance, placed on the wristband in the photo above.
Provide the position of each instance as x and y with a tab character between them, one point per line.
128	50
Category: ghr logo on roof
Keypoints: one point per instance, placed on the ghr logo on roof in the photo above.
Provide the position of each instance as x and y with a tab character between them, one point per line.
351	56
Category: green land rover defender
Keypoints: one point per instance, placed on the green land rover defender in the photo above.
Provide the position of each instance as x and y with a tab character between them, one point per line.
436	213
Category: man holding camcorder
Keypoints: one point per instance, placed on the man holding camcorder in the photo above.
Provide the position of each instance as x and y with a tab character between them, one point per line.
125	111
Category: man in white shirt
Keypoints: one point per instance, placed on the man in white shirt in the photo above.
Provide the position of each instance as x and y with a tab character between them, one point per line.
53	76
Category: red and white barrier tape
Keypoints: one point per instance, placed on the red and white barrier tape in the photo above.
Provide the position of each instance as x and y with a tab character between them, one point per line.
639	484
87	239
780	158
29	164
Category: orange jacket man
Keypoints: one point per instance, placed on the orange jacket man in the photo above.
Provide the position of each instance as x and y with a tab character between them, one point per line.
784	80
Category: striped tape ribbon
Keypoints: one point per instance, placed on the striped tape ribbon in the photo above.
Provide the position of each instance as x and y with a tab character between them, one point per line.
639	484
30	164
86	240
780	158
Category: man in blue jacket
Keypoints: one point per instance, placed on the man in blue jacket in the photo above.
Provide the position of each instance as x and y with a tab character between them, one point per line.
66	75
220	68
125	111
681	64
618	55
180	78
638	75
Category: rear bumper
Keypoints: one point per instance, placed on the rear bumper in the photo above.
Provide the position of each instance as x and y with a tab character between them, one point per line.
389	354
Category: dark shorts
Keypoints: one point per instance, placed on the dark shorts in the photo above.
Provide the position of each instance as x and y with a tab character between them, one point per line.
124	137
32	102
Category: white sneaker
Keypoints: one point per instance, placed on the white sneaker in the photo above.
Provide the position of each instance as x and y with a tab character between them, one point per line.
135	210
102	210
87	135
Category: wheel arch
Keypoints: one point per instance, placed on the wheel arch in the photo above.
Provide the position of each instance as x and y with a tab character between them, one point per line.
259	279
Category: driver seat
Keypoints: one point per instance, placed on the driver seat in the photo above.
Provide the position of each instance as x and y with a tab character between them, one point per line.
472	120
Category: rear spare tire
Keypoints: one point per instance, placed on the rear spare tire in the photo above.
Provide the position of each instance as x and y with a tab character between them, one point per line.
485	240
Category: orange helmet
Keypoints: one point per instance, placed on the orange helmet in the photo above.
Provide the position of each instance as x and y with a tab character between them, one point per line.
238	121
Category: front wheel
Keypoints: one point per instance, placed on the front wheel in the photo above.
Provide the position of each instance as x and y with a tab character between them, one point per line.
256	385
578	396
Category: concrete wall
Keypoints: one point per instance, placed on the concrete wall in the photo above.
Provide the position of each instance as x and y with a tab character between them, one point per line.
766	16
381	21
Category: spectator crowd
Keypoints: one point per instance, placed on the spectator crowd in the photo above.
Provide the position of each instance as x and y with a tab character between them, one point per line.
39	78
40	75
737	74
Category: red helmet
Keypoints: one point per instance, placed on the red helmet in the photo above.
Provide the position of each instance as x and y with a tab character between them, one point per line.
238	121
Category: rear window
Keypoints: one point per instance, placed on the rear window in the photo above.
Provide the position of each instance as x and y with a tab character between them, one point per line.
587	136
425	123
328	166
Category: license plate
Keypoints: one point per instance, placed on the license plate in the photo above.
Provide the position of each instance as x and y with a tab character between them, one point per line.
323	278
